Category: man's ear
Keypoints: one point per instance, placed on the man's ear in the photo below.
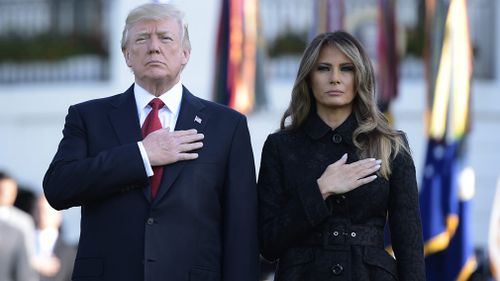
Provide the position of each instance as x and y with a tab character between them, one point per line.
186	53
126	55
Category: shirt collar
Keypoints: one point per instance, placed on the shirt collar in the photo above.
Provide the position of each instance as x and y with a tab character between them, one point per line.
171	98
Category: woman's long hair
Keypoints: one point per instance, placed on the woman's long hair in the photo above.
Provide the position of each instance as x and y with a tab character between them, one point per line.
373	137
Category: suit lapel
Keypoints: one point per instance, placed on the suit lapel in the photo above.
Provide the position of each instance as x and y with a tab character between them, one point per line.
124	118
190	117
125	121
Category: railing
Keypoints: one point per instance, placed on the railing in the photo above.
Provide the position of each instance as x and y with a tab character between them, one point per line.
77	68
53	40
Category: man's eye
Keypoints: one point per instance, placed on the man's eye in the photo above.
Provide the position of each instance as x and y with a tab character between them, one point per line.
140	40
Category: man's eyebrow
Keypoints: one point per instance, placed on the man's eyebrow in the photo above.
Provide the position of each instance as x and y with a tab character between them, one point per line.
164	31
143	33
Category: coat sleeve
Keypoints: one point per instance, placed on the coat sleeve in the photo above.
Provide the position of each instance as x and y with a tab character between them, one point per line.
286	214
75	178
240	244
404	219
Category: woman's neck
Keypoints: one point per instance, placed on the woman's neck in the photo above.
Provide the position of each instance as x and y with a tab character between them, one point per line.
334	118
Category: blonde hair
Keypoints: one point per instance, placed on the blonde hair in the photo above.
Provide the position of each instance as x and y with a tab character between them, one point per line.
373	137
156	12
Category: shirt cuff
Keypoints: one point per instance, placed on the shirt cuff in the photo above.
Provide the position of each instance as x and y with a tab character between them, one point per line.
145	159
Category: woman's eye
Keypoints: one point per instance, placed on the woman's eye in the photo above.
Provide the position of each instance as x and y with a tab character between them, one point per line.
347	68
323	68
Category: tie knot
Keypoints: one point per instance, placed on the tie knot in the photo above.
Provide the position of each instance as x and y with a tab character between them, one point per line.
156	104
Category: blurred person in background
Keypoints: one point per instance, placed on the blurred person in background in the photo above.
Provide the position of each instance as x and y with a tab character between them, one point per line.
15	216
161	204
14	262
334	173
54	257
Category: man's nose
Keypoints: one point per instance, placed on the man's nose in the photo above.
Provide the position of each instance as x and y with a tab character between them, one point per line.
154	45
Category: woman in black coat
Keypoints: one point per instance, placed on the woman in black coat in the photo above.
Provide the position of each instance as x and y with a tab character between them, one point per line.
335	173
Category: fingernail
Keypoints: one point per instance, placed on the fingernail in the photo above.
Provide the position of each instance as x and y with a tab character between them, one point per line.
378	161
345	155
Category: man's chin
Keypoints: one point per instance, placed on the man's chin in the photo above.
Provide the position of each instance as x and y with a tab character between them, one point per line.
157	76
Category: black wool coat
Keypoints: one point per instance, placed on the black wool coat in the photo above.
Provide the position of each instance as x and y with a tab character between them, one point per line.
342	237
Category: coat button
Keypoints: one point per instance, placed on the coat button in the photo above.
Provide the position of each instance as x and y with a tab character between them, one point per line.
353	234
340	200
337	269
337	138
335	233
150	221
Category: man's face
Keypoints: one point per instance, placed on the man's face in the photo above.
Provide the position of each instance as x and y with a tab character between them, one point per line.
8	192
154	52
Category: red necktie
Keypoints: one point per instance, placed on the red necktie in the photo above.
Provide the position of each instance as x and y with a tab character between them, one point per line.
151	124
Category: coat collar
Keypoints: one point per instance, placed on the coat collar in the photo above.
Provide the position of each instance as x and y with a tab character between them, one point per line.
316	128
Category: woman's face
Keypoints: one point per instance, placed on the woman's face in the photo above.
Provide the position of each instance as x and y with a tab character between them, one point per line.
332	81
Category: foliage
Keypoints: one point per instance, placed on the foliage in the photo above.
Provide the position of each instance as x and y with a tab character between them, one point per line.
415	41
48	47
288	43
416	34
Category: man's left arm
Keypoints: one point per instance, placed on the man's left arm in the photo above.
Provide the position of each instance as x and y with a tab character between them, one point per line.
241	255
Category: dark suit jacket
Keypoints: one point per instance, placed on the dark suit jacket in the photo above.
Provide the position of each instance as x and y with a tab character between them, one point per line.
202	224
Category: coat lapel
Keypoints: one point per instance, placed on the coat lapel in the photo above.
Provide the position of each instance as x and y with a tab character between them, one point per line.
190	117
124	118
125	121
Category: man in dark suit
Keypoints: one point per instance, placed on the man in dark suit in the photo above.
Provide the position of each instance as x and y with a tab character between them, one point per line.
200	223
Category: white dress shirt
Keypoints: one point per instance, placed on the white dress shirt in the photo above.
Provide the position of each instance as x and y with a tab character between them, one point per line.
168	114
46	241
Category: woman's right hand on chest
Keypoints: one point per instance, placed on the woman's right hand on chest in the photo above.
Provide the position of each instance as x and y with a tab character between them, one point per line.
340	177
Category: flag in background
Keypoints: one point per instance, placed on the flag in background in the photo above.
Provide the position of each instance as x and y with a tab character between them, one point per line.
494	235
236	55
447	187
387	55
328	15
386	72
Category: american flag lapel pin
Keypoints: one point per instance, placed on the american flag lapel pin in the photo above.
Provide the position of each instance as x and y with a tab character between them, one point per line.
197	119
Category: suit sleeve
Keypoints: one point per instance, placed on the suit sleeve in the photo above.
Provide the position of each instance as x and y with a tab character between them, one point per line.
404	219
75	178
241	257
286	214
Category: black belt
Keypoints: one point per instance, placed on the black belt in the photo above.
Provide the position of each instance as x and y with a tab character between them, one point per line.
348	235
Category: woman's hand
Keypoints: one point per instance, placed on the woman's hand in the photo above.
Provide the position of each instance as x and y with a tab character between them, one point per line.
340	177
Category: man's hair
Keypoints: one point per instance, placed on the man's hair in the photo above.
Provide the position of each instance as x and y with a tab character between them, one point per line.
4	176
156	12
